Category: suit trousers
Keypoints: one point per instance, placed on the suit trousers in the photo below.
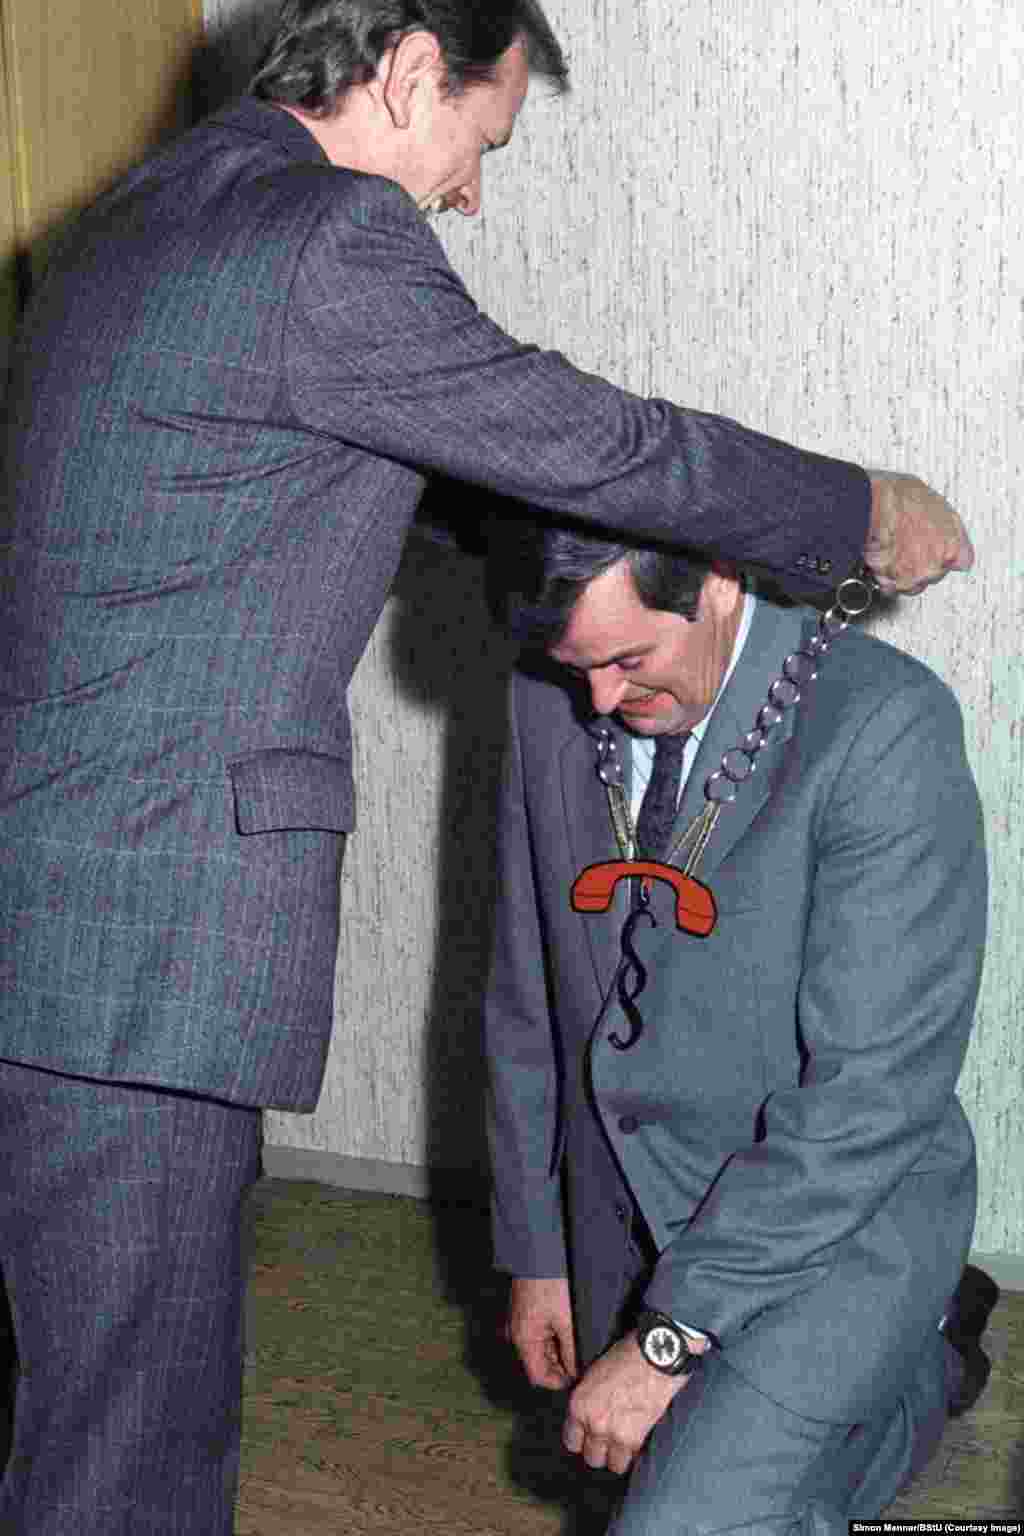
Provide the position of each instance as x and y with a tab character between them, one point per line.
120	1242
727	1456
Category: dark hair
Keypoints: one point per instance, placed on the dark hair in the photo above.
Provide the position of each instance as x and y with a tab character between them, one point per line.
321	48
536	572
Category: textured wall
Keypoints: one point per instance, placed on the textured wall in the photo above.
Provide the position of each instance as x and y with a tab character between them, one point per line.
805	215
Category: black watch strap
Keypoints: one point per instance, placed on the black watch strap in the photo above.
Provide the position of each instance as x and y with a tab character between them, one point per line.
664	1344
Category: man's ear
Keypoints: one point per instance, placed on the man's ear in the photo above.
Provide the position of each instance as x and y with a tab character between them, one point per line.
722	588
415	60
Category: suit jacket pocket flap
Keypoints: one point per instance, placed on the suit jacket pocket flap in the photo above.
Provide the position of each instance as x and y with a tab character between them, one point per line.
286	790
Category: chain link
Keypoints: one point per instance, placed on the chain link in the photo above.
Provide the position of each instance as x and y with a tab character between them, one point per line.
854	597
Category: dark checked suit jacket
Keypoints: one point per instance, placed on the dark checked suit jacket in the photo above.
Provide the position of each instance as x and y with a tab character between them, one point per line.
224	403
787	1121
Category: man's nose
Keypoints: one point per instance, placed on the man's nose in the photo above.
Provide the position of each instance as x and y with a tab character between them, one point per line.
606	689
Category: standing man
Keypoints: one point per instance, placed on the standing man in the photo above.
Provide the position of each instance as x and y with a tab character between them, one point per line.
224	404
733	1181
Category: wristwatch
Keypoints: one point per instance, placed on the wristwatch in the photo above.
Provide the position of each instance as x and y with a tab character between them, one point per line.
664	1345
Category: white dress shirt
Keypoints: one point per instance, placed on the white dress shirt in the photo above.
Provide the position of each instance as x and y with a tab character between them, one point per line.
643	746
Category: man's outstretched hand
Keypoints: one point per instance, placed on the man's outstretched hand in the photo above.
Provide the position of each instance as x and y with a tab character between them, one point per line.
915	537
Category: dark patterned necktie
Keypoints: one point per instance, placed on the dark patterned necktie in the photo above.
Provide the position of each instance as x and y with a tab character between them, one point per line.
658	810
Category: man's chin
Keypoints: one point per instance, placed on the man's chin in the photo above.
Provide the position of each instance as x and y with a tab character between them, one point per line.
645	721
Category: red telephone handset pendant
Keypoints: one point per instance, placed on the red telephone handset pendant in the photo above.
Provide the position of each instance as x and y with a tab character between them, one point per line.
696	912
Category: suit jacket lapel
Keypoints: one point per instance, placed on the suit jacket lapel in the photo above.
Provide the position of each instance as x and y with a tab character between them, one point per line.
592	839
774	633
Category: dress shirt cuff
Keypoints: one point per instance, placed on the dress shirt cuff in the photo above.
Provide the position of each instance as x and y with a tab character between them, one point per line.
693	1333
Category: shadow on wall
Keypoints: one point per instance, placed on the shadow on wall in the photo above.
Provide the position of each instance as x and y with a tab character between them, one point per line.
224	64
446	653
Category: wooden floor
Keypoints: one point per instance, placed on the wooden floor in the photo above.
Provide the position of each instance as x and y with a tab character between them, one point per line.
379	1399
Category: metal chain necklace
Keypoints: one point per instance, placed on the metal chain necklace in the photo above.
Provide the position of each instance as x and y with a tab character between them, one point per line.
593	889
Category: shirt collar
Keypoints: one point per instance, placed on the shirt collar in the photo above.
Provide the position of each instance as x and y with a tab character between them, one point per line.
740	640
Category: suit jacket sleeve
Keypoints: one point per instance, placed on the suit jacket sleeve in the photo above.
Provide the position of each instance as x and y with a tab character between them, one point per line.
522	1109
386	350
891	968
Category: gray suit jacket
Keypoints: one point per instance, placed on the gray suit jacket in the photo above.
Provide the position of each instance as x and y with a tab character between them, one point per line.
787	1121
224	401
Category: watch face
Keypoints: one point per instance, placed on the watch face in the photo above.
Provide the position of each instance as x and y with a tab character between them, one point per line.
663	1346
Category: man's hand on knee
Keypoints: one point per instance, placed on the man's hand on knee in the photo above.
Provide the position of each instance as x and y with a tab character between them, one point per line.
539	1325
616	1405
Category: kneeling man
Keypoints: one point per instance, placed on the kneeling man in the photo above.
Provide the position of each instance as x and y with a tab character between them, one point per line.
733	1182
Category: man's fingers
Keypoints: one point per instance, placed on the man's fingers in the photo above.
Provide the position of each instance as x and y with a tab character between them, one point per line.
965	554
541	1364
915	538
573	1436
538	1324
619	1459
890	588
542	1354
567	1351
558	1374
543	1375
596	1453
615	1406
597	1450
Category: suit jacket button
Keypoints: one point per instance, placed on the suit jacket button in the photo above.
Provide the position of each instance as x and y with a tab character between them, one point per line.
824	566
628	1124
620	1212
